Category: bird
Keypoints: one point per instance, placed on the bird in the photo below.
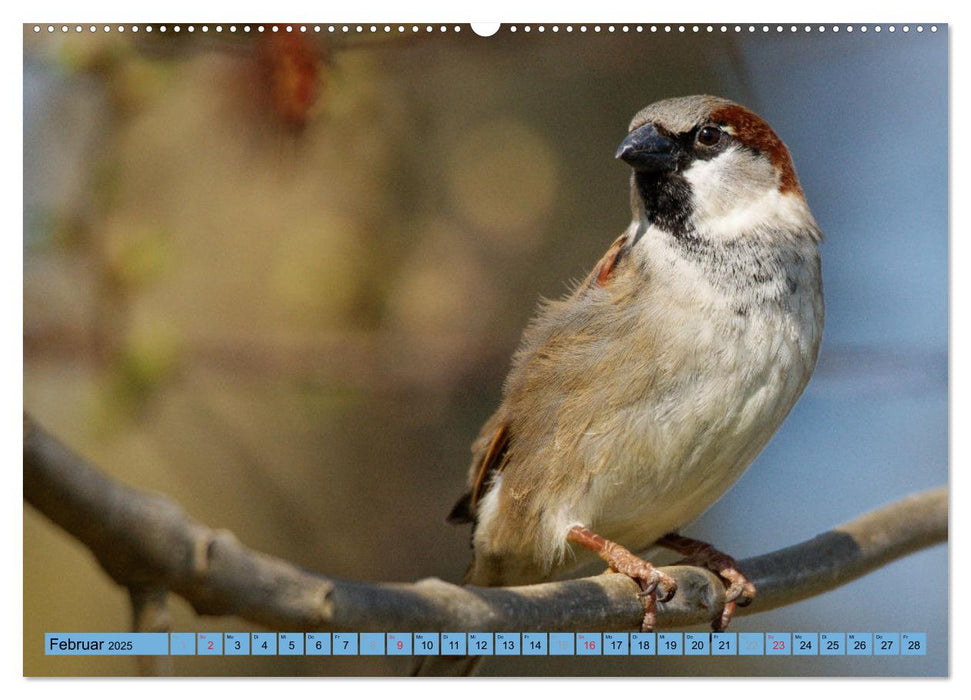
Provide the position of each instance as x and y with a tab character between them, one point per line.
637	400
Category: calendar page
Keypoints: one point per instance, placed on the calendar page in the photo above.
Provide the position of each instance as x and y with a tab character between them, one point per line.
514	349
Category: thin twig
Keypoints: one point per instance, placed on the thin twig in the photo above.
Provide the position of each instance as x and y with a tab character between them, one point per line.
146	540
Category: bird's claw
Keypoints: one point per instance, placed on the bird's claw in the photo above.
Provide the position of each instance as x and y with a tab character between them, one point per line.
656	586
739	591
660	584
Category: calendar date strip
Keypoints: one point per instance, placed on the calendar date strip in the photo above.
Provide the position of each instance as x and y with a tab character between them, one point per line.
147	543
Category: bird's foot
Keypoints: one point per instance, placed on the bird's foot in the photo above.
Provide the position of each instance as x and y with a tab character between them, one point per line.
655	585
739	591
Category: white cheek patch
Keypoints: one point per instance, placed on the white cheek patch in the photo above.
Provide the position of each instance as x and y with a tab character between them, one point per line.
736	192
710	182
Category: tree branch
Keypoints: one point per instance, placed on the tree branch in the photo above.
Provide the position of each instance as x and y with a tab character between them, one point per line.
146	542
150	613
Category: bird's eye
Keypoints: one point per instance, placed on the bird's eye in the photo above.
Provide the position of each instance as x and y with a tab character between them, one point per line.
709	136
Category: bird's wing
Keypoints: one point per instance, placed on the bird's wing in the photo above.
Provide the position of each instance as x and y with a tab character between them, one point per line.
490	449
608	263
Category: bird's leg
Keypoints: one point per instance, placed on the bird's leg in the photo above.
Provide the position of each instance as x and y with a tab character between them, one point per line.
651	580
739	591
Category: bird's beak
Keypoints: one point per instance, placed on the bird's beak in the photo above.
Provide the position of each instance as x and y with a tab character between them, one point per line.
646	150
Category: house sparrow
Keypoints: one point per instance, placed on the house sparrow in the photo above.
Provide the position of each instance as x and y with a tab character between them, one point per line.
635	402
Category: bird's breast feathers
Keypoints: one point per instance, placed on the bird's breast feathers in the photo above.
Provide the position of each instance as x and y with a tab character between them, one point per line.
696	388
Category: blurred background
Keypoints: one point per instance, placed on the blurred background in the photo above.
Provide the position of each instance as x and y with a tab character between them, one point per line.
279	277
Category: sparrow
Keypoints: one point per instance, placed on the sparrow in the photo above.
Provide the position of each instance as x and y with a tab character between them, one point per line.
637	400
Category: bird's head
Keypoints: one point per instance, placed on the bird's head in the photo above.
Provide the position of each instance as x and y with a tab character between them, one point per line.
707	168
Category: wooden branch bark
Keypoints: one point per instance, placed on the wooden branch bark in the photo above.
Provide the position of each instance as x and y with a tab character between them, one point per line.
150	613
146	542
